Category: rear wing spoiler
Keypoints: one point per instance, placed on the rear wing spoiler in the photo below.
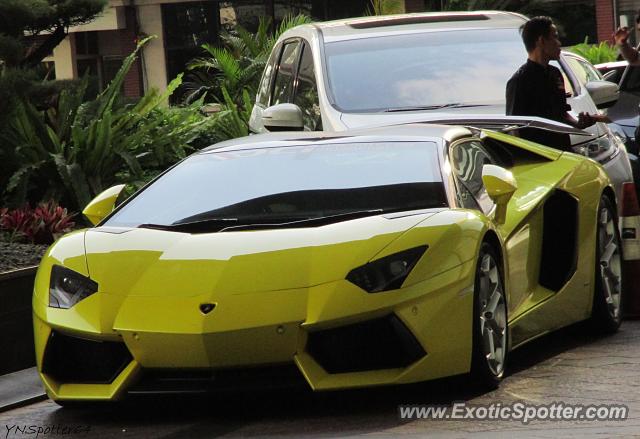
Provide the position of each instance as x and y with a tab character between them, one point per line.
506	124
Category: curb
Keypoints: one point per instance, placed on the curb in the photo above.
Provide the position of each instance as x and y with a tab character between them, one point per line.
20	388
23	402
16	326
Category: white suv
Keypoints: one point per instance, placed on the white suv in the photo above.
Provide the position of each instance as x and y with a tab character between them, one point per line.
417	67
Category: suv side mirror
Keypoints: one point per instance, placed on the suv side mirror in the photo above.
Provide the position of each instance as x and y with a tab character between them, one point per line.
103	204
500	186
604	93
611	76
283	117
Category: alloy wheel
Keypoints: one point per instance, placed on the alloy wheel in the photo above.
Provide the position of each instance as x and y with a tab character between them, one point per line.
492	315
609	262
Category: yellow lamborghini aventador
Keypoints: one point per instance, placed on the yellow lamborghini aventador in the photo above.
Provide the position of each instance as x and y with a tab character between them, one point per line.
391	255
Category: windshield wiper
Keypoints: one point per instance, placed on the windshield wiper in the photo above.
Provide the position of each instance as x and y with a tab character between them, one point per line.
433	107
307	222
205	224
211	225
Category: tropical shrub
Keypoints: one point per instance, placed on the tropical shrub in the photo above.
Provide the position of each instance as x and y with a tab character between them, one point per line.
237	64
595	53
77	149
385	7
40	225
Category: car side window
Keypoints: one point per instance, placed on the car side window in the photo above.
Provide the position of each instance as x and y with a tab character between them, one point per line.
579	70
591	72
285	73
568	86
467	160
265	83
306	94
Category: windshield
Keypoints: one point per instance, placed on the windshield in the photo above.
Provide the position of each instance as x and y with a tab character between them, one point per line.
428	69
287	184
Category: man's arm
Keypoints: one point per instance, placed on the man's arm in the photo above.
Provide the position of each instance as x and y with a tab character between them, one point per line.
629	53
585	120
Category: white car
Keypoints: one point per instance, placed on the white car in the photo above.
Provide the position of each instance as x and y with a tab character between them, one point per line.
388	70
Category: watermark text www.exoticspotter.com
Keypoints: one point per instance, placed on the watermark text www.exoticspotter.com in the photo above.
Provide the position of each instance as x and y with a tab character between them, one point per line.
518	411
36	431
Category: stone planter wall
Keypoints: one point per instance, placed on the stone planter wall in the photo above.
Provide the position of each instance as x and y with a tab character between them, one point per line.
16	323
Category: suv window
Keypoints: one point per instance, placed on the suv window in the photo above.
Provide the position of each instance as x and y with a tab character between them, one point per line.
467	160
306	96
283	87
265	83
592	73
584	72
568	86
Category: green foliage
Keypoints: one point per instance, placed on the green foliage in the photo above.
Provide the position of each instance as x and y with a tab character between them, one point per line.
573	22
385	7
31	17
233	120
20	57
595	53
74	151
471	5
237	65
230	75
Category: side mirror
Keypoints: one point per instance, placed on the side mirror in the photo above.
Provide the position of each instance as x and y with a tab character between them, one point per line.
283	117
611	76
103	204
500	186
604	93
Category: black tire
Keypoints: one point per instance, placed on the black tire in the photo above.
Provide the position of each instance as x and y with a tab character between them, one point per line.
606	312
485	373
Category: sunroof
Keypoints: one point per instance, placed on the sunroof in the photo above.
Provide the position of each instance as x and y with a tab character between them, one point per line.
398	21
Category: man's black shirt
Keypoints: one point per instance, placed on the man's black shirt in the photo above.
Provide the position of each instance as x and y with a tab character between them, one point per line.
536	90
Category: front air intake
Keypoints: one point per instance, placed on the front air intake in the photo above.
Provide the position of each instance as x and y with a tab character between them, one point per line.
383	343
81	361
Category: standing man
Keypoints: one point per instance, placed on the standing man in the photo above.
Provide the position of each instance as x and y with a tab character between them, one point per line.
537	88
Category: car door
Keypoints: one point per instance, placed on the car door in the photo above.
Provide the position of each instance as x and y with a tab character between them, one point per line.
578	74
467	159
277	83
305	93
625	111
524	230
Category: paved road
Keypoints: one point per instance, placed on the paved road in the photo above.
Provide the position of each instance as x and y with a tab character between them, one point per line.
567	366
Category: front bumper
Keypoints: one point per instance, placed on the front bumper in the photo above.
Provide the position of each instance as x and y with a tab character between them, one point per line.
413	334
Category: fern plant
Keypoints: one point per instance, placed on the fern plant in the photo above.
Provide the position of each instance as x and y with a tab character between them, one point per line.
73	152
595	53
237	64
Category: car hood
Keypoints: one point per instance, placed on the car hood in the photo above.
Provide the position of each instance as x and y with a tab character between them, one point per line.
360	120
145	262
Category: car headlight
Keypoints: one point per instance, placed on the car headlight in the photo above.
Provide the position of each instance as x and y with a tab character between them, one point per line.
386	273
67	287
602	149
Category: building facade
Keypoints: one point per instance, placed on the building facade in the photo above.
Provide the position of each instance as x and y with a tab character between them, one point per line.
614	13
180	27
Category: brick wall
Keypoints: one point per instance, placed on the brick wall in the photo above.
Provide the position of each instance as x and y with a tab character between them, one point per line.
604	19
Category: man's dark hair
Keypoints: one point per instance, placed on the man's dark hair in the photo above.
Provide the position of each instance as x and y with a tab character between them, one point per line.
533	29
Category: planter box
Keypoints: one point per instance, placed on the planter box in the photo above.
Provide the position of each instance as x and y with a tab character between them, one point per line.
16	322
